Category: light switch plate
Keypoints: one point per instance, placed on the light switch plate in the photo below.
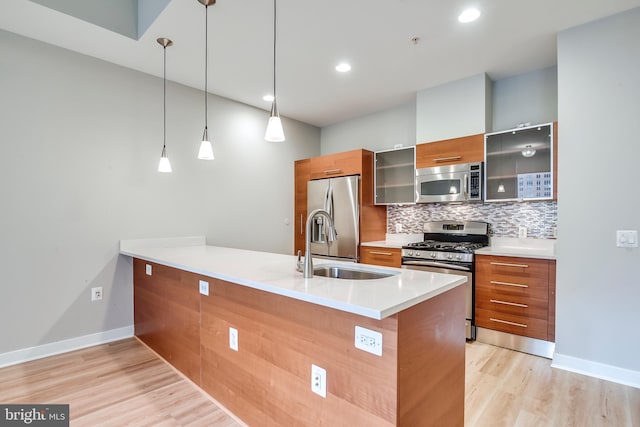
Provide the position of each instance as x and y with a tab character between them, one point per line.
233	339
627	238
148	269
204	287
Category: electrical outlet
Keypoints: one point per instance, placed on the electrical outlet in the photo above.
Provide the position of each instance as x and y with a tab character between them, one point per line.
399	228
368	340
233	339
96	293
204	287
319	381
522	232
148	269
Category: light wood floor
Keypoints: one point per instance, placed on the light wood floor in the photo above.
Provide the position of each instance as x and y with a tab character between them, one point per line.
124	383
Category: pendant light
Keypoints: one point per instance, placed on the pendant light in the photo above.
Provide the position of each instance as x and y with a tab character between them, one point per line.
164	165
274	131
206	151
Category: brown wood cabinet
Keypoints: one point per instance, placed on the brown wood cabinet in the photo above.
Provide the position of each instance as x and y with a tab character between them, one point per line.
513	295
301	171
450	151
417	381
373	218
167	314
378	255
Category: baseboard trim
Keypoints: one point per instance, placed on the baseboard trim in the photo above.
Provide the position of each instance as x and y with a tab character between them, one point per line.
58	347
596	370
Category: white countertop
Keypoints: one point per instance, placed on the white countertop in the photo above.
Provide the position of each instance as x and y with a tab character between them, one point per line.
527	248
276	273
395	240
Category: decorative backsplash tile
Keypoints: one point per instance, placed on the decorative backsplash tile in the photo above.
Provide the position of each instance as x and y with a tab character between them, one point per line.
540	218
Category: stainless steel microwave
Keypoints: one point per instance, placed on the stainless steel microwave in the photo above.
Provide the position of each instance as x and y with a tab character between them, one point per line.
452	183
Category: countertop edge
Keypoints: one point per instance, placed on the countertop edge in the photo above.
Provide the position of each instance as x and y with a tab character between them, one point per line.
301	296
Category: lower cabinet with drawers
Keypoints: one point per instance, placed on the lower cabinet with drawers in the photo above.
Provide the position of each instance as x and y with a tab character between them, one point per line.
516	295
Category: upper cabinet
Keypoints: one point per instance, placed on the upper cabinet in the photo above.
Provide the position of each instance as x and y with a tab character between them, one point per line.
520	164
395	176
467	149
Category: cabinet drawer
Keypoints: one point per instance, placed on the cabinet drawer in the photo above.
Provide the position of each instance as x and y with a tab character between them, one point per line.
389	257
451	151
530	272
526	307
507	287
511	323
340	164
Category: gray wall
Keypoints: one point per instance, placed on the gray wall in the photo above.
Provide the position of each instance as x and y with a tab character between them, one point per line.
526	98
375	132
455	109
81	140
598	111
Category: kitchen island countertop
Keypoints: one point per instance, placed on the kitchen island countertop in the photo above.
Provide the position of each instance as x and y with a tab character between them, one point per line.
276	273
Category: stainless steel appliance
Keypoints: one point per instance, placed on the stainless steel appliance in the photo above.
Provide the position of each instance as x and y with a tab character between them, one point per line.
339	198
448	248
453	183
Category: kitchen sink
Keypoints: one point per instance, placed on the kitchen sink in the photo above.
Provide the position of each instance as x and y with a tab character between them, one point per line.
342	272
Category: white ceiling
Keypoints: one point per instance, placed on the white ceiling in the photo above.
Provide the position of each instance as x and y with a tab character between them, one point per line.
511	37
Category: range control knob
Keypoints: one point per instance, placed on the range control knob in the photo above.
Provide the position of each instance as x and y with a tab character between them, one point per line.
409	253
417	253
434	255
449	256
458	257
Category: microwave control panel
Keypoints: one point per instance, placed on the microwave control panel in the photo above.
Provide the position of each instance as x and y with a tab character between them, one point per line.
475	181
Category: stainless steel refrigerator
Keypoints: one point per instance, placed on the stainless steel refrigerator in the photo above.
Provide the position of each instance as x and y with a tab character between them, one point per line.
339	197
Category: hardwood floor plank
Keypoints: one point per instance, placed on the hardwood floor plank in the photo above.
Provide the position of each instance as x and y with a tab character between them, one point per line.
124	383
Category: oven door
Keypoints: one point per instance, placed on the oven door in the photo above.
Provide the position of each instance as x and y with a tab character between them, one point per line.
442	184
436	267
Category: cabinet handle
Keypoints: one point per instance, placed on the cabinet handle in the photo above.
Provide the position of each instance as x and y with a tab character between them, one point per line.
495	301
517	285
504	264
447	159
301	225
508	323
381	253
332	171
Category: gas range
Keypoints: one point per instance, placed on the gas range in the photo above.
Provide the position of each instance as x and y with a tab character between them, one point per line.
448	248
448	241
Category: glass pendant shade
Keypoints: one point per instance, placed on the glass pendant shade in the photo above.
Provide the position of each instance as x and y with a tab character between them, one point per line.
274	132
165	164
501	188
206	150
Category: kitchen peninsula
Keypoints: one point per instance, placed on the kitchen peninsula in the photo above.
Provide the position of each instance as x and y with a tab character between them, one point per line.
246	327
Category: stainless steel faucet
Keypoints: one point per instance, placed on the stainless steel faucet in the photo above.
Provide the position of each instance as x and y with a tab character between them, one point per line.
308	259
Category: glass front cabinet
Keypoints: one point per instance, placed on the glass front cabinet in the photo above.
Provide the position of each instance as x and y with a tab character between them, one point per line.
519	164
395	176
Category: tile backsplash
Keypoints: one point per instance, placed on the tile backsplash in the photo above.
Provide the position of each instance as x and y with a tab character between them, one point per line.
540	218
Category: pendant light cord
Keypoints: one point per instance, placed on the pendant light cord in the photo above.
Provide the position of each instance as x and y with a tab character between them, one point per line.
164	142
274	51
206	61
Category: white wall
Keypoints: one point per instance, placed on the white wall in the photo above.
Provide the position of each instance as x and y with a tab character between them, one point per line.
526	98
455	109
80	144
598	114
375	132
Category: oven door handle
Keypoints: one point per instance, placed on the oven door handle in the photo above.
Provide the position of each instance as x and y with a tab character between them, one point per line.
436	264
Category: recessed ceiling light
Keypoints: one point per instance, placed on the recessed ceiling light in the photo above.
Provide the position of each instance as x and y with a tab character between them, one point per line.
469	15
343	67
268	98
